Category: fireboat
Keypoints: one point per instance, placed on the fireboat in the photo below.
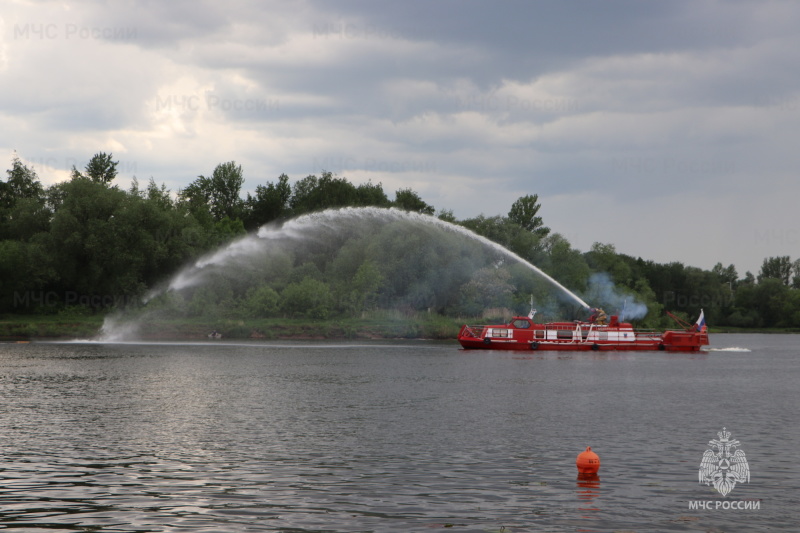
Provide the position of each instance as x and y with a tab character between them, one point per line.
598	333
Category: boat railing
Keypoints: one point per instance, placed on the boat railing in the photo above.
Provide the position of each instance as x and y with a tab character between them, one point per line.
474	331
479	331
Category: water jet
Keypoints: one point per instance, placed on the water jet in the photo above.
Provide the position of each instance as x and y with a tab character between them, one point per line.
301	240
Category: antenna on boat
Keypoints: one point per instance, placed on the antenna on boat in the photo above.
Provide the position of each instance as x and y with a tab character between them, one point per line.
533	311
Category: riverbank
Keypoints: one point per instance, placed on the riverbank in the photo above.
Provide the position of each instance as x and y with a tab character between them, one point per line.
25	327
387	326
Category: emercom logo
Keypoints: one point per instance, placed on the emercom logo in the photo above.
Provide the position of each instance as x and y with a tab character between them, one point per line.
723	465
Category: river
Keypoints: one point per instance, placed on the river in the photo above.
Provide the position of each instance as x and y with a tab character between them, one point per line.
392	436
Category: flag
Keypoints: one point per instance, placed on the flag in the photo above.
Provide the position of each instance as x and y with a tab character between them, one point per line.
700	325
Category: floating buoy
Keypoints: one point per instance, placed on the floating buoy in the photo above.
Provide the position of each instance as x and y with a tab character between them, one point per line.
588	462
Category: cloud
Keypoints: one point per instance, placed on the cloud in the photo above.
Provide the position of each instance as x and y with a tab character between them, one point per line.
648	115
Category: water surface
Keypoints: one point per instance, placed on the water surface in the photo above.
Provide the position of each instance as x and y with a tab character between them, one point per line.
411	436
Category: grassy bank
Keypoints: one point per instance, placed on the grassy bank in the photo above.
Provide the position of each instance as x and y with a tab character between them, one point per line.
49	327
382	326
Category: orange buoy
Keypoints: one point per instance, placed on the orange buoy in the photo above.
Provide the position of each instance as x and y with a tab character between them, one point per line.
588	462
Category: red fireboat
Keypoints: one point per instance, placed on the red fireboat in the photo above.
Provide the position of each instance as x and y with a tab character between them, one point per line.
598	333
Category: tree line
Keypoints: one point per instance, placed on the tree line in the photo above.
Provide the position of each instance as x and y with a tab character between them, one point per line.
88	245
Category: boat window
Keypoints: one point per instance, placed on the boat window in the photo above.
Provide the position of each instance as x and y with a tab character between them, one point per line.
521	323
539	334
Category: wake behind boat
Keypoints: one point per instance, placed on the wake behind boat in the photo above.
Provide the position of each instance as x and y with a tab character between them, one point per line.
522	333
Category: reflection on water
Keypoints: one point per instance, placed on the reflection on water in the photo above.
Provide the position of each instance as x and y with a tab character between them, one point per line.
588	489
387	437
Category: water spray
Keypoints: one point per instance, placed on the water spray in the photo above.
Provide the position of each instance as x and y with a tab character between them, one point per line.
302	229
295	228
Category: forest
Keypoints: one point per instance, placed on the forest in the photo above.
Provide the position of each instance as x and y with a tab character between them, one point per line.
89	246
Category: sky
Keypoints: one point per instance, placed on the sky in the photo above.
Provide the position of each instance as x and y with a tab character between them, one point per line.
665	128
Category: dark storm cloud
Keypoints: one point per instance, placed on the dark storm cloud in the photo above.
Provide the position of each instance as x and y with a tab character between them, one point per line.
624	111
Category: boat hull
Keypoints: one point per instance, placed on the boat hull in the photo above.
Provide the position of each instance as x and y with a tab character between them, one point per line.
577	337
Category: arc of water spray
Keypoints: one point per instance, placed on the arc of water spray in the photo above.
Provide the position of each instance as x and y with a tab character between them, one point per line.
296	226
464	231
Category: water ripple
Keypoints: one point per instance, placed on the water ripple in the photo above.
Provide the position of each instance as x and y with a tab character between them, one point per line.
165	438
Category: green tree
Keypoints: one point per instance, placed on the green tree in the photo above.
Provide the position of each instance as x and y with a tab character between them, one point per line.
365	286
646	295
27	218
101	168
204	302
778	268
271	202
216	196
566	264
370	194
110	244
23	209
309	298
770	299
796	274
496	229
261	302
791	311
488	288
92	258
22	182
604	258
315	194
726	274
24	274
225	185
195	199
159	196
158	236
524	212
12	277
228	229
744	312
409	200
447	215
508	234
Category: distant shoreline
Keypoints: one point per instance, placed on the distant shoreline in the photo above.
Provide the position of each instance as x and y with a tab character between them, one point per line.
53	327
31	327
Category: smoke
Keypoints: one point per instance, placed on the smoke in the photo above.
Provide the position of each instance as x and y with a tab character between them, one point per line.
603	293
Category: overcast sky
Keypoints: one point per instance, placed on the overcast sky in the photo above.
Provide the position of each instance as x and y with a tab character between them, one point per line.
668	129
